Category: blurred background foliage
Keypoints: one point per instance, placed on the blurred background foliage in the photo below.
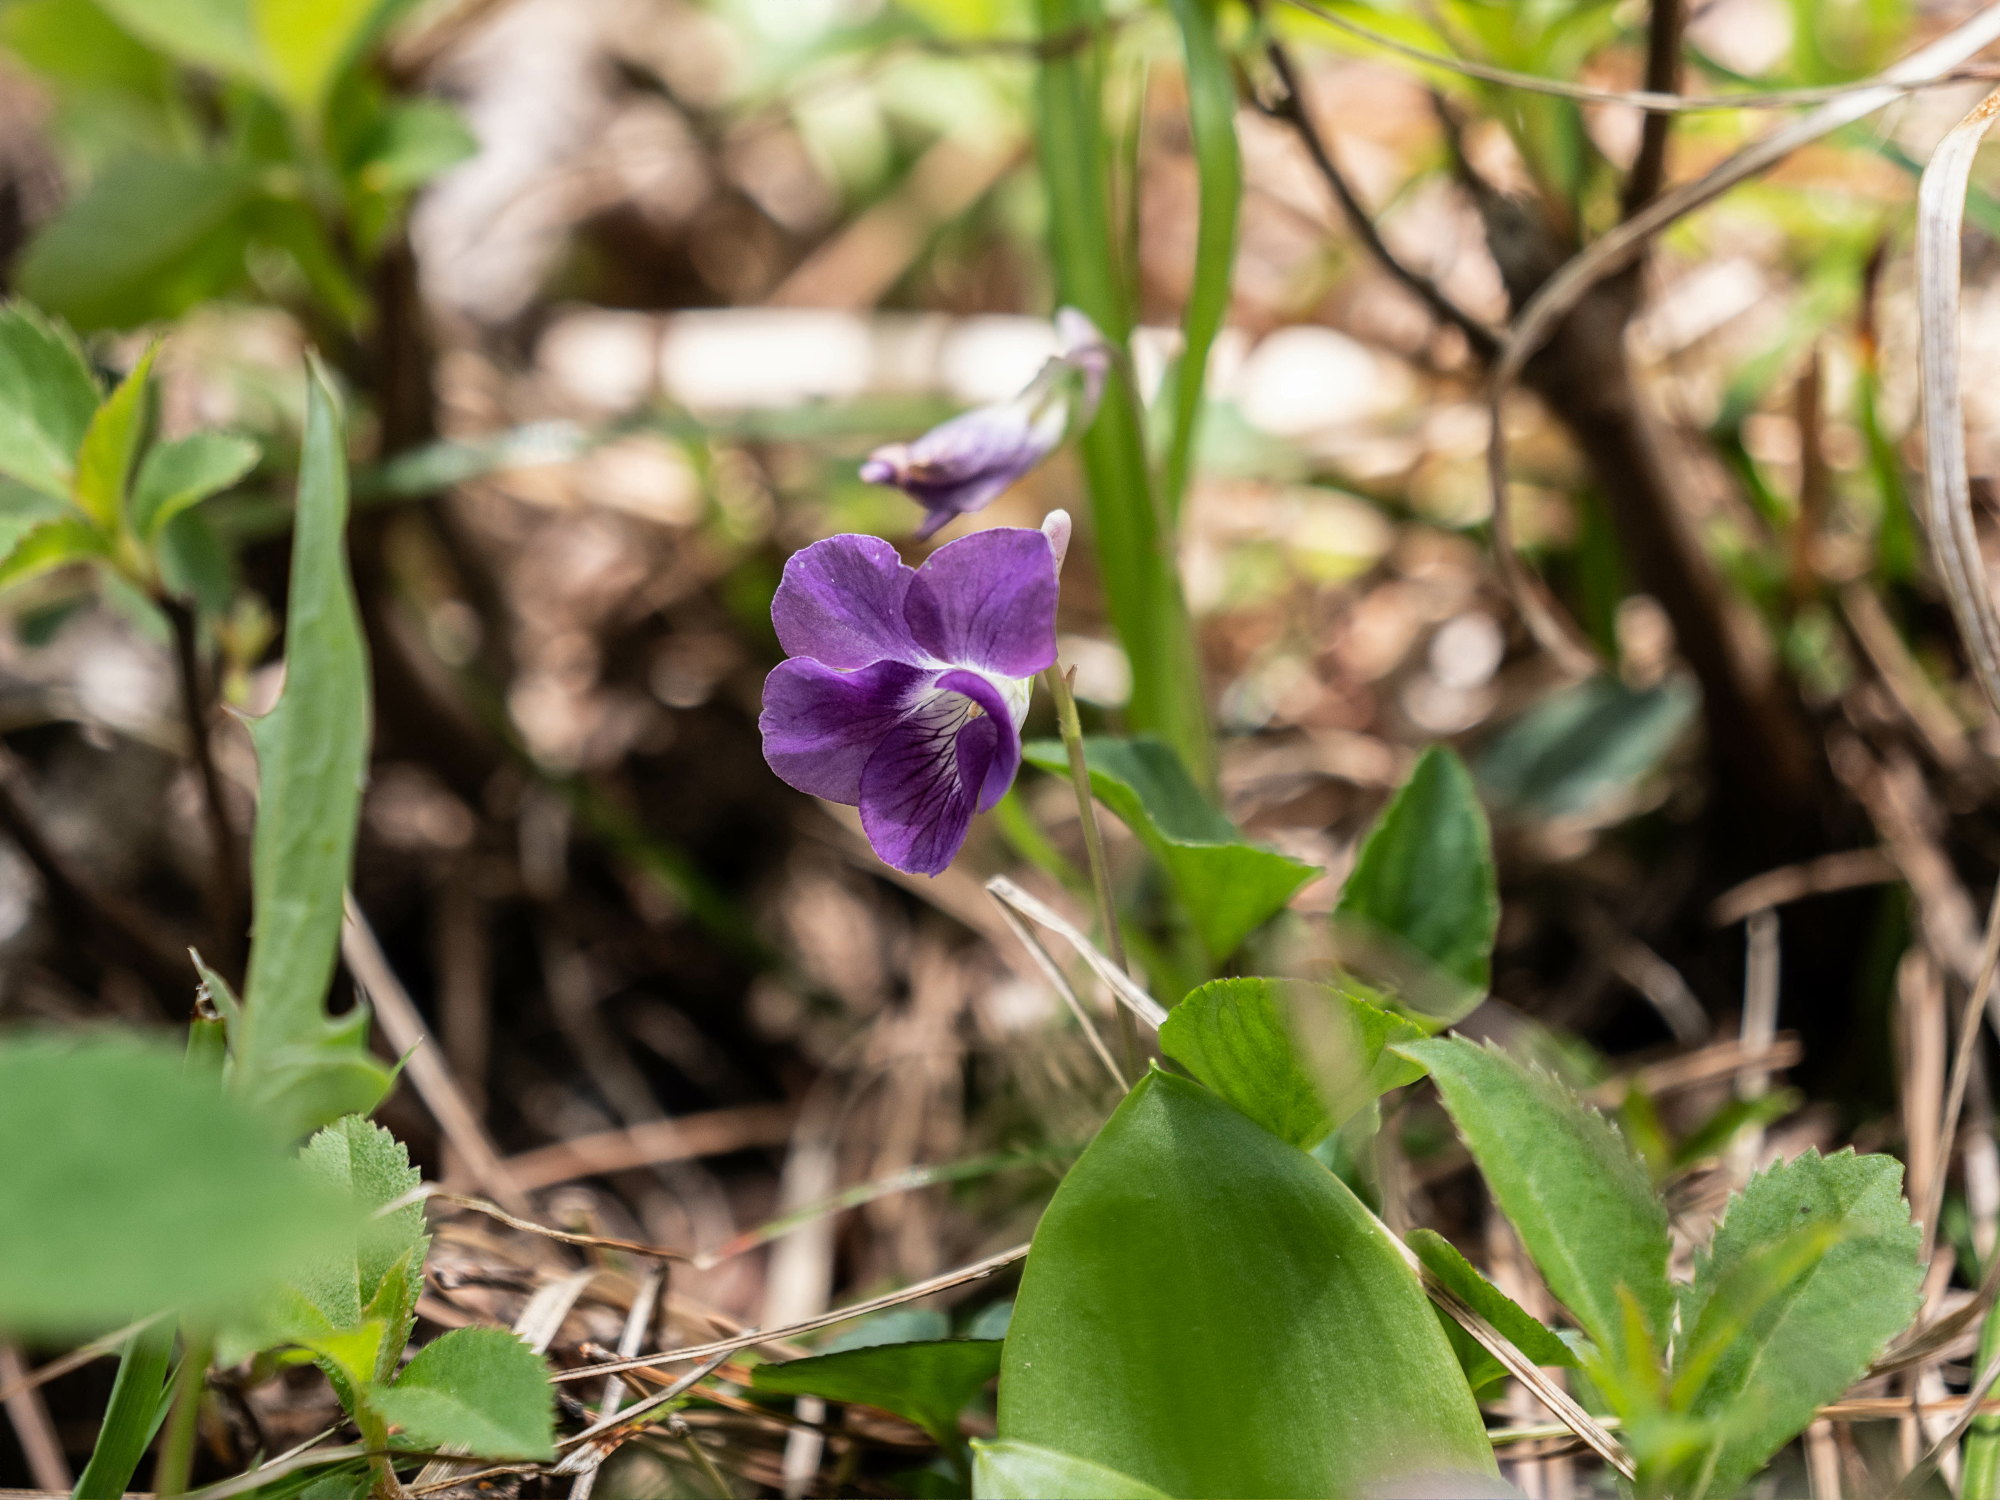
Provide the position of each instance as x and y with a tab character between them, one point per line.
621	290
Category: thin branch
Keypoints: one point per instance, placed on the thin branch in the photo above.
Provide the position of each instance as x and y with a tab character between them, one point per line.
1663	71
977	1271
1563	292
226	901
1292	109
1652	100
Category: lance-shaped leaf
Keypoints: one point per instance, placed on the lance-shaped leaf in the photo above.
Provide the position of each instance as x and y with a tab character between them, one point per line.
47	397
111	443
312	754
930	1381
1574	1191
1211	1312
1022	1471
307	43
1300	1059
1521	1329
1228	886
212	34
1812	1271
1420	909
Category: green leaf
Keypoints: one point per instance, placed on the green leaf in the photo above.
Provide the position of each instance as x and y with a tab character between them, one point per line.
1211	1312
1300	1059
132	1415
929	1382
148	239
47	398
481	1389
312	755
212	34
176	475
1227	886
134	1185
75	42
1568	1183
104	462
417	139
1022	1471
308	43
1812	1271
1524	1332
50	545
1423	903
375	1276
1584	747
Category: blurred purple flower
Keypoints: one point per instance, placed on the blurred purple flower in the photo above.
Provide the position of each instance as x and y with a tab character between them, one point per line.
906	687
962	464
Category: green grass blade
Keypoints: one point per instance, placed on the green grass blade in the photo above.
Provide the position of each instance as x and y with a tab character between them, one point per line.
1135	547
1212	123
138	1405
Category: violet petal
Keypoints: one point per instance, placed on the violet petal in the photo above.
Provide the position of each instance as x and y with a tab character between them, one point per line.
841	602
820	726
961	465
934	769
989	601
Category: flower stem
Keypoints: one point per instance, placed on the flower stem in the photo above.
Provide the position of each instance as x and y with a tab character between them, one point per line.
176	1461
1071	729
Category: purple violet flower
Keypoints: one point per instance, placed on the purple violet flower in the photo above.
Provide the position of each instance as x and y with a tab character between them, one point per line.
961	465
906	688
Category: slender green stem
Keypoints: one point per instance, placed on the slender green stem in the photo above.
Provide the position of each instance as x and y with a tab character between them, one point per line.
375	1438
1133	536
170	1476
1071	728
1980	1479
1212	123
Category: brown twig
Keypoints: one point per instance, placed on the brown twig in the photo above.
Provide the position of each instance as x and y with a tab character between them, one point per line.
1292	108
227	902
1663	72
977	1271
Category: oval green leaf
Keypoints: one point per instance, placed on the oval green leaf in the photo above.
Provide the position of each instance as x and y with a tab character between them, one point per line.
1210	1311
1021	1471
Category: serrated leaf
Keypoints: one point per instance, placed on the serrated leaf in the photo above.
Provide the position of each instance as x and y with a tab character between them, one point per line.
930	1381
1228	886
131	1184
479	1389
148	239
1022	1471
1422	905
1811	1273
111	443
1300	1059
1573	1190
176	475
312	755
1522	1330
1208	1310
49	545
377	1274
47	398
